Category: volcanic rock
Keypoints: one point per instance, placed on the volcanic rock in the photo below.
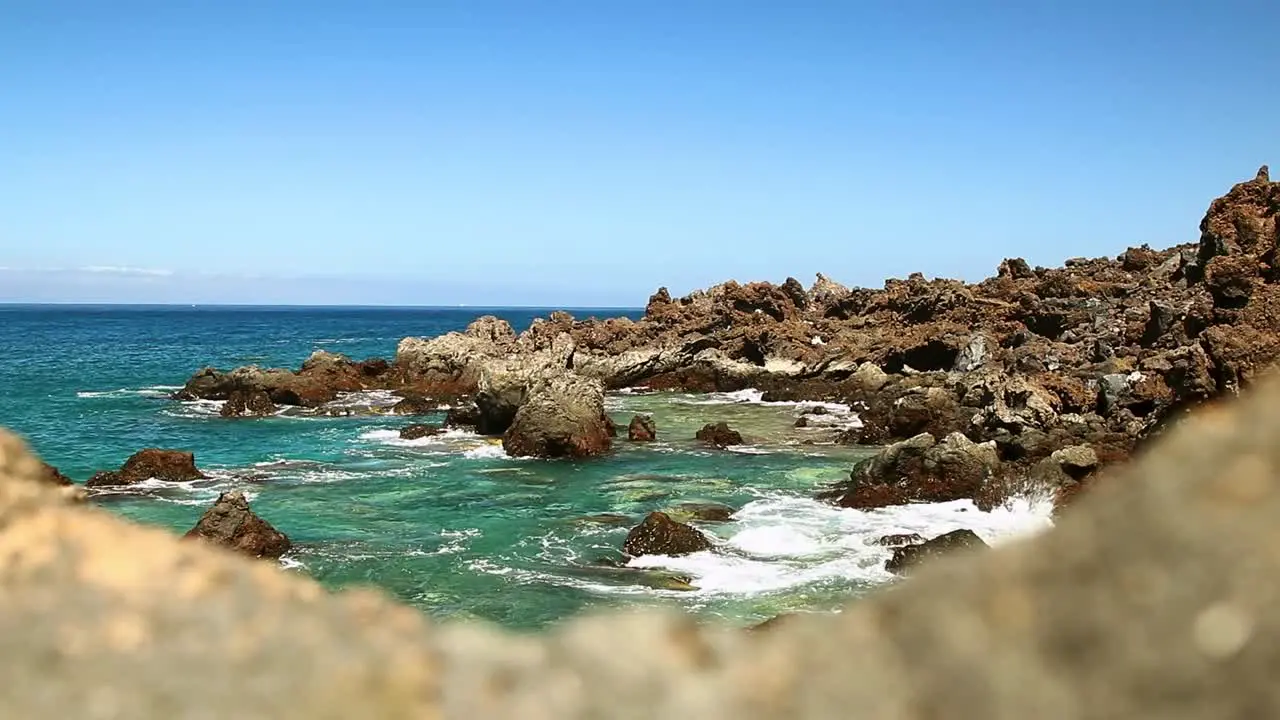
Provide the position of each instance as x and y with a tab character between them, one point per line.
909	557
658	534
417	432
152	463
562	417
719	435
642	428
247	403
230	523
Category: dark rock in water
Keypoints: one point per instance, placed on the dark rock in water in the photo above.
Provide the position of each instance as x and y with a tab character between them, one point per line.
701	512
464	416
53	476
168	465
562	417
802	422
230	523
817	410
719	435
610	426
660	535
909	556
415	405
899	540
416	432
642	428
248	403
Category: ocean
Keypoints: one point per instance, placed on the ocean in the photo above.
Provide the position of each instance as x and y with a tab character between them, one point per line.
450	524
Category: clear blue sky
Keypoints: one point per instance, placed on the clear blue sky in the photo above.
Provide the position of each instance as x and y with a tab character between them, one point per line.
584	153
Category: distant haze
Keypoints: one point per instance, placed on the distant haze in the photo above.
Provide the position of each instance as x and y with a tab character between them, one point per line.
584	153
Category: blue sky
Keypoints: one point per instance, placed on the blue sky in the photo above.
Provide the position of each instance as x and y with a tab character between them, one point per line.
584	153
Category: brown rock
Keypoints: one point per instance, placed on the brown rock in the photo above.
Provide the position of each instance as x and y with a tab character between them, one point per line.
230	523
719	435
53	476
462	416
167	465
417	432
415	405
919	469
247	403
642	428
909	557
658	534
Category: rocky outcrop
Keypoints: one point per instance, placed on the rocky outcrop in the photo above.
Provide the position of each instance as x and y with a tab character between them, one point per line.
152	463
232	524
248	403
920	469
909	557
642	428
718	435
562	417
51	475
658	534
414	404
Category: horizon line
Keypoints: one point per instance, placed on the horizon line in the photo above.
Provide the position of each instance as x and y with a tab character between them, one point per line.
73	303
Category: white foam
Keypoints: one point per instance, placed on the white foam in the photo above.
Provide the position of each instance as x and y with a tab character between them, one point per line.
486	452
151	391
450	436
778	543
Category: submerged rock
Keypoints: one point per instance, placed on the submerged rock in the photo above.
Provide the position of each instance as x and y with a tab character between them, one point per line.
167	465
417	432
248	403
908	557
719	435
231	524
660	535
642	428
701	512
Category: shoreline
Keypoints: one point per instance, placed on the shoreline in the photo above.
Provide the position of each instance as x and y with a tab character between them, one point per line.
1033	377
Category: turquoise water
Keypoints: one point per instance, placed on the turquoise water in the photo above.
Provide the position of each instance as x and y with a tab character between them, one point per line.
450	524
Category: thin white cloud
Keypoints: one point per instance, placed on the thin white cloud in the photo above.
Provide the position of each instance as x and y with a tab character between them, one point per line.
124	270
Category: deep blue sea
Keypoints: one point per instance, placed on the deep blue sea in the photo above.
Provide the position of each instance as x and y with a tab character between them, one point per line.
450	524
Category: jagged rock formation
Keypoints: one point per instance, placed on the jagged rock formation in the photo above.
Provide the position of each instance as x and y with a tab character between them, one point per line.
561	417
909	556
718	435
152	463
232	524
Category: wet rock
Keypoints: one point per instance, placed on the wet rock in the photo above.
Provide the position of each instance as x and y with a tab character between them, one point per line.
642	428
919	469
462	416
562	417
910	557
899	540
415	405
719	435
231	524
660	535
417	432
167	465
248	403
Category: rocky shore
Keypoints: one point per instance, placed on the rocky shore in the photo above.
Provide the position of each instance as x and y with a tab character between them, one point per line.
1032	380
